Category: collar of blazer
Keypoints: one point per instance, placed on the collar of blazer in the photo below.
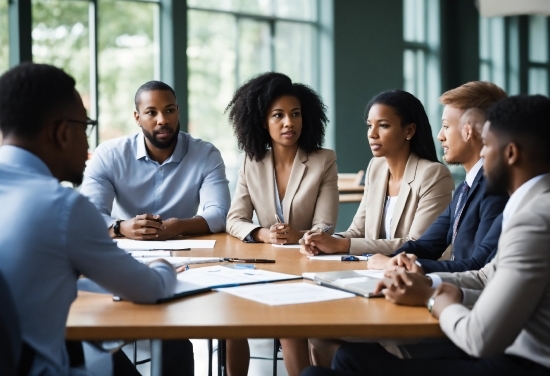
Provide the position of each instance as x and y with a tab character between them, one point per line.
298	170
378	191
477	180
539	188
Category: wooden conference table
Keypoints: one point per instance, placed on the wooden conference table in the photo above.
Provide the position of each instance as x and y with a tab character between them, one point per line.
219	315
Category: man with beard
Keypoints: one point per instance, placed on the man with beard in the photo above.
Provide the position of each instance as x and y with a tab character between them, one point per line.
51	234
160	183
466	225
148	186
498	318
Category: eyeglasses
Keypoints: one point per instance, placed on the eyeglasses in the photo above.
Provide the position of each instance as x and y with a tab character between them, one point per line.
90	124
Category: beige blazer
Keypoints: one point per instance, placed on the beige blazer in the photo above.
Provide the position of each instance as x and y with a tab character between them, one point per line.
510	295
426	190
311	198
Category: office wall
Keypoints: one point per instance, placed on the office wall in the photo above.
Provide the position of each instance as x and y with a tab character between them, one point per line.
368	58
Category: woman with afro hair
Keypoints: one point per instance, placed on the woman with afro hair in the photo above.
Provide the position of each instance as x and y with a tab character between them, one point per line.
286	178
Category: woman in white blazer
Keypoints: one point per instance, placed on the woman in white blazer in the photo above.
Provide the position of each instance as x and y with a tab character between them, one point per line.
286	178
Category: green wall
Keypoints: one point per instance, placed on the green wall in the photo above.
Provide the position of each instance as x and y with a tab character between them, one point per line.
368	58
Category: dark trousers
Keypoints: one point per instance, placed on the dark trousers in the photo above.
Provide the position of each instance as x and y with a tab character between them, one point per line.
446	359
177	359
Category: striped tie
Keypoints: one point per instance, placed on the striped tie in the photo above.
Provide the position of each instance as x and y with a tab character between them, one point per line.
458	212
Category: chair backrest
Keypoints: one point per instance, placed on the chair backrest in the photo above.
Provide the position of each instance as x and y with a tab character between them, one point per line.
10	332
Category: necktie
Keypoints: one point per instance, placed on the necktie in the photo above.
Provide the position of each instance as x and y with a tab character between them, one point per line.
463	196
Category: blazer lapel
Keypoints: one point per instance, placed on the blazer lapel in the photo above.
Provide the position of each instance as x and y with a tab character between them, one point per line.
268	189
375	203
299	169
471	192
404	191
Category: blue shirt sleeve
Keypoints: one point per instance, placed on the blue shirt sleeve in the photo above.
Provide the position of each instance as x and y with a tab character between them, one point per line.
96	256
214	193
98	184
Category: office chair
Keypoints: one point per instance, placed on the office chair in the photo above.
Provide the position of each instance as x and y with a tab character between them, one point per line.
222	369
11	343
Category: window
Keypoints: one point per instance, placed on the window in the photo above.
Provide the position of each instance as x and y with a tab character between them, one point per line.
514	53
229	42
421	55
421	58
4	37
126	49
538	63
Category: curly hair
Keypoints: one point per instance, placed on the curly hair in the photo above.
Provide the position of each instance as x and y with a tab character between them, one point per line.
29	93
410	110
248	112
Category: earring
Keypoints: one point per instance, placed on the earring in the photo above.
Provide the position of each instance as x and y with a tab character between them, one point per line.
408	138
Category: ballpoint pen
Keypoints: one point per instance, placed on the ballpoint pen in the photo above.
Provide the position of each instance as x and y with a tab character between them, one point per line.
246	260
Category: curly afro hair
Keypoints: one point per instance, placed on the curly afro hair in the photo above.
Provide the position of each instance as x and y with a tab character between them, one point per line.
248	113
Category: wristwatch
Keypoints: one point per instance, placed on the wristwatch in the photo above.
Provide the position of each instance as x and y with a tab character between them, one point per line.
431	303
116	228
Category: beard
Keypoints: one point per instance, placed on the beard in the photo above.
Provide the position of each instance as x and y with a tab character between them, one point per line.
498	179
152	137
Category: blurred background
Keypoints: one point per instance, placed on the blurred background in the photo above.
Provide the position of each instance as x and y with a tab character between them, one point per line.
347	50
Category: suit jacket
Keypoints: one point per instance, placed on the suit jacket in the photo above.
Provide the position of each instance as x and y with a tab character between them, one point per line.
511	294
476	238
425	191
311	198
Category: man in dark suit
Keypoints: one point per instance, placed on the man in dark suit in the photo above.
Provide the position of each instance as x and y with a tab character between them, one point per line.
466	226
497	319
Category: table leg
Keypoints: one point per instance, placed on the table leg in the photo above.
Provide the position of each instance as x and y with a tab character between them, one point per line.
156	357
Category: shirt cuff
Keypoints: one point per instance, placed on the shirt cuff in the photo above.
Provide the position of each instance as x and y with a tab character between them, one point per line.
338	236
249	239
436	280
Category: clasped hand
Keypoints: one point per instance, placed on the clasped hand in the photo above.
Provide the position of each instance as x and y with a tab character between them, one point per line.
149	227
282	233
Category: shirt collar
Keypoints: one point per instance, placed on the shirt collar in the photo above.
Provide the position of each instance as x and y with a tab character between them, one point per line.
516	197
177	155
470	177
17	157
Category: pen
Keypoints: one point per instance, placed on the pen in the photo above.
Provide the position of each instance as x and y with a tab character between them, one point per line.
168	250
326	229
245	260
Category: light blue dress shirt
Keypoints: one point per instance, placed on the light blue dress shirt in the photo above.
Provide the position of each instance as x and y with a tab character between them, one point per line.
122	181
50	235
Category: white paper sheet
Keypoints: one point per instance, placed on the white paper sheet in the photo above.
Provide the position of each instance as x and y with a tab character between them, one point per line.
147	245
370	273
289	246
179	261
288	293
219	275
335	258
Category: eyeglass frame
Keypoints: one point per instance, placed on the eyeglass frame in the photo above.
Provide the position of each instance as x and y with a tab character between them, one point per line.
90	124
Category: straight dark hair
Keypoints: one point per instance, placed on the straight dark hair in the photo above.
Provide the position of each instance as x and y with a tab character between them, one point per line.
410	110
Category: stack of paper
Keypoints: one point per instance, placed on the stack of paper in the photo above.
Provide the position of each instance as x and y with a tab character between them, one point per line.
151	245
287	293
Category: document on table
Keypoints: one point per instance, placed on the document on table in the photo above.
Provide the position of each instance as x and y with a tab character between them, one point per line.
289	246
360	282
179	261
220	276
148	245
335	257
378	274
287	293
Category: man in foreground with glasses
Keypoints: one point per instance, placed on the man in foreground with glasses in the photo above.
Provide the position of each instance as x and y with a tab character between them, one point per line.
498	317
50	234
